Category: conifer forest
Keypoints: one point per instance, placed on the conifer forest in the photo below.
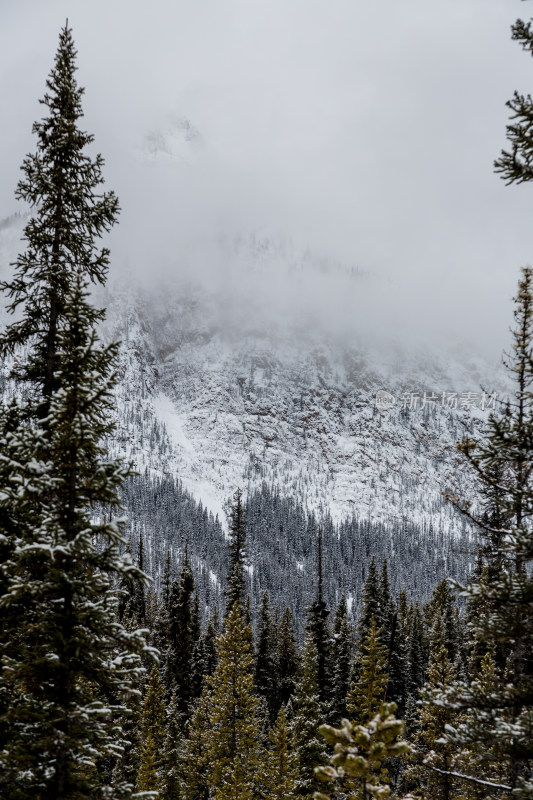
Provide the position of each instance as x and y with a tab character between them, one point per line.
250	640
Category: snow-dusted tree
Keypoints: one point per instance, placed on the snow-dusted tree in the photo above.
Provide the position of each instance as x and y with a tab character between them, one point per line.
307	712
359	755
236	585
287	659
516	165
317	626
278	772
75	664
501	719
69	667
61	183
153	734
433	759
368	689
265	678
233	741
181	635
341	659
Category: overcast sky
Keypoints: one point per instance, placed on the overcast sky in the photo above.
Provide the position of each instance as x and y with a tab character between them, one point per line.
364	129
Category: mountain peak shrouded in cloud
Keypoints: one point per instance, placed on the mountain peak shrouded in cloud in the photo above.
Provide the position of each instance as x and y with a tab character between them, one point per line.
176	140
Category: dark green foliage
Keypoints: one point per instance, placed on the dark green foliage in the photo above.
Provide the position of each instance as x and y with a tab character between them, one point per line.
501	719
287	658
71	665
516	165
317	627
236	584
183	636
306	714
61	183
341	659
265	677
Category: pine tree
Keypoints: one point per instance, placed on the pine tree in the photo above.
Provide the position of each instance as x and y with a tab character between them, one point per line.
287	659
265	660
516	165
138	594
236	584
62	575
367	691
278	774
317	626
61	183
71	665
416	658
434	758
360	752
502	720
371	604
172	753
153	725
342	658
307	712
195	758
233	744
397	666
385	618
182	633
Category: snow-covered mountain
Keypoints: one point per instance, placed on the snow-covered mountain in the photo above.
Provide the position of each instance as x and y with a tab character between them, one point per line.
230	397
222	386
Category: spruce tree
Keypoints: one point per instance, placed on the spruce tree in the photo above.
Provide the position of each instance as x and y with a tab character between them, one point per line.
61	184
342	658
71	666
357	763
279	772
153	733
317	626
307	712
371	604
265	659
502	720
195	759
287	658
236	585
182	633
233	742
434	758
368	690
516	165
172	753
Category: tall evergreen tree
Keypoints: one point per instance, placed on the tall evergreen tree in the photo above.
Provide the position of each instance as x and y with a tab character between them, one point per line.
371	604
342	658
307	712
182	631
61	183
153	734
433	757
265	659
278	773
368	690
72	665
502	720
236	584
233	746
317	626
287	659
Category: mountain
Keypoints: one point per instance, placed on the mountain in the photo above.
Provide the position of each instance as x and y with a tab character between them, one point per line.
237	379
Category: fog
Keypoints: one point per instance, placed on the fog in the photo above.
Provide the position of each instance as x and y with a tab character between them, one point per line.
363	133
